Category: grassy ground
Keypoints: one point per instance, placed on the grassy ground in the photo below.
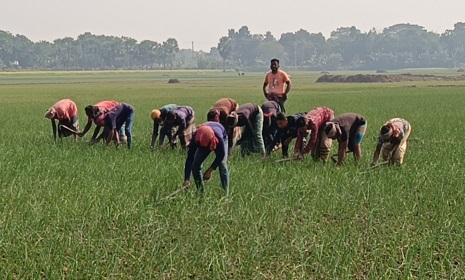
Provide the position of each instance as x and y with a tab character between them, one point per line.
70	210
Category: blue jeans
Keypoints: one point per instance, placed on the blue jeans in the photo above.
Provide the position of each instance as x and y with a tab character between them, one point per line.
200	155
128	128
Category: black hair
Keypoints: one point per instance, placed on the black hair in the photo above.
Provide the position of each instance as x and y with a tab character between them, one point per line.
266	121
328	128
385	129
301	122
90	112
211	115
231	121
280	116
170	116
275	59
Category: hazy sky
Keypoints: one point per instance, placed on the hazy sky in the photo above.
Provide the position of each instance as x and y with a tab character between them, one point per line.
205	21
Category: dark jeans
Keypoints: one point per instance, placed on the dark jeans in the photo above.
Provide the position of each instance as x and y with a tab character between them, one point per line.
199	157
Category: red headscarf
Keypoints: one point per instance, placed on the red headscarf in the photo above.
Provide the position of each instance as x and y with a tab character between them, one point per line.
205	137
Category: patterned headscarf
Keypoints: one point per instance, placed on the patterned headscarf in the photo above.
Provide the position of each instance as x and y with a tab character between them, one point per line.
205	137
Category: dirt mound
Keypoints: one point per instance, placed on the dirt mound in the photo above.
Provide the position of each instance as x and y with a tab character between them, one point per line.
173	81
367	78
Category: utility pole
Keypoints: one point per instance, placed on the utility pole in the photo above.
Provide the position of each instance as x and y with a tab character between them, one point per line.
192	46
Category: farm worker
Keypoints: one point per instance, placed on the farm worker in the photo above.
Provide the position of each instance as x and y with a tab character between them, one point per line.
287	130
277	84
348	129
270	128
392	141
113	120
158	116
66	112
92	111
209	137
314	121
250	117
219	112
179	123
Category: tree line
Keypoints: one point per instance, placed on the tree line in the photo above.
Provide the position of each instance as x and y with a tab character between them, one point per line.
347	48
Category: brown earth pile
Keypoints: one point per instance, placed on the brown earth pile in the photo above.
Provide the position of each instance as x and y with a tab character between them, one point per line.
367	78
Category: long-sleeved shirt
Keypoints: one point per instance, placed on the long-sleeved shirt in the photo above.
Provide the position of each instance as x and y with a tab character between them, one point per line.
116	117
163	112
316	118
220	151
184	115
225	106
104	105
246	113
291	130
270	107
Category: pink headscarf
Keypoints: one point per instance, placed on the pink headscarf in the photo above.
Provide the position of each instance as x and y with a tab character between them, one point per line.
205	137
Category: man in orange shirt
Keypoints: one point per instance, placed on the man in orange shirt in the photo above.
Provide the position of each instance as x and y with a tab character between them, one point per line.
277	84
66	112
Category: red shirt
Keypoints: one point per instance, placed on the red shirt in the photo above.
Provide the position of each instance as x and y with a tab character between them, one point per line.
105	105
316	119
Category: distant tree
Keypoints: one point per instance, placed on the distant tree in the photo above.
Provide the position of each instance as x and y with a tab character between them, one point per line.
225	49
146	53
302	46
128	48
169	49
269	48
6	48
348	41
454	42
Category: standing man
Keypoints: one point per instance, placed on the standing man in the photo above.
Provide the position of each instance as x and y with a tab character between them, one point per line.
314	121
249	116
277	84
179	123
92	111
122	114
392	141
210	137
158	117
66	112
348	129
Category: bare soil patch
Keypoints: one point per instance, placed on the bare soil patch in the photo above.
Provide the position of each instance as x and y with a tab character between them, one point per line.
368	78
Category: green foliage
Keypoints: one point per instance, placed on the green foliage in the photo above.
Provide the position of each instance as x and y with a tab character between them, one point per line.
396	47
70	210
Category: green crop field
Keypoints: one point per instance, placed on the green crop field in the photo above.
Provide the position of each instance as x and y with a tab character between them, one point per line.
70	210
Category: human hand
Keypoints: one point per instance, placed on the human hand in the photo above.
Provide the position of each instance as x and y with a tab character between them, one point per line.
208	174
